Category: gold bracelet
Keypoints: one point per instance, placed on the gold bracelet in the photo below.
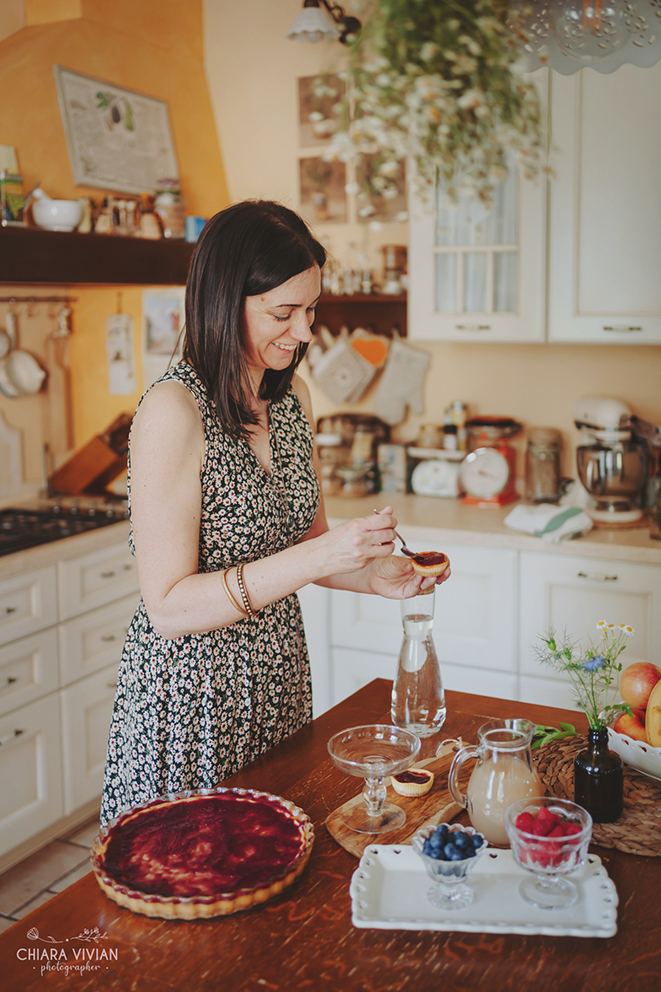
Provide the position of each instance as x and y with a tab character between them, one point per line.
239	609
247	605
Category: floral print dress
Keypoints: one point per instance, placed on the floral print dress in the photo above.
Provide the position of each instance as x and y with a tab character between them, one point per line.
192	710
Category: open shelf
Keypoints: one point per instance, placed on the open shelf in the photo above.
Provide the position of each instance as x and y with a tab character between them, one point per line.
371	311
30	255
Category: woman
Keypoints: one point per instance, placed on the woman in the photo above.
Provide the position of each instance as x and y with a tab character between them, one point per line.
228	522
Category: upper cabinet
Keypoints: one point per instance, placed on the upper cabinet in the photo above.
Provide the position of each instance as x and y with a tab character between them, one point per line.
574	258
478	274
605	207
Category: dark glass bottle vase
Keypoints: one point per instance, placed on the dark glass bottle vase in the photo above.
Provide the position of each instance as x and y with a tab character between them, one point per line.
599	778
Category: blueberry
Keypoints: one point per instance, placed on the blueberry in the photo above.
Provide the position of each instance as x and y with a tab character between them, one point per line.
427	849
453	853
477	840
462	841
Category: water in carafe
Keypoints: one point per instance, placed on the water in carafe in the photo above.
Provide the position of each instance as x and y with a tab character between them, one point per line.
418	700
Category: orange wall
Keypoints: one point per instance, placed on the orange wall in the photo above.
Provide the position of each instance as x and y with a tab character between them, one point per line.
154	47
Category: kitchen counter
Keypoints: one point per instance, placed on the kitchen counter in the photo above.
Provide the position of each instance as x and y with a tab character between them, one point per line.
304	938
64	550
453	522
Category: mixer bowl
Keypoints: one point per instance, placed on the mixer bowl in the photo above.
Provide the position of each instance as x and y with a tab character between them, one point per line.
613	475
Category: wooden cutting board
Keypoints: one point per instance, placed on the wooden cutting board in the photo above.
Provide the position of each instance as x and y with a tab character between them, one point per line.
437	806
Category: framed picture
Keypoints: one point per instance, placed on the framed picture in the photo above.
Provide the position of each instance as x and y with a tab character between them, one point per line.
322	196
370	203
319	100
117	139
162	326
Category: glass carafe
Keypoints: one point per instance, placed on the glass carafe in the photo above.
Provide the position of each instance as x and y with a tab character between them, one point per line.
503	774
418	700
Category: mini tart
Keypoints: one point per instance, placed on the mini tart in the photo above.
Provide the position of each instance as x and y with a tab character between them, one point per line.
203	853
414	782
430	563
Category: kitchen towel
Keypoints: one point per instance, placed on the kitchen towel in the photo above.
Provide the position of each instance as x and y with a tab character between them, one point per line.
550	522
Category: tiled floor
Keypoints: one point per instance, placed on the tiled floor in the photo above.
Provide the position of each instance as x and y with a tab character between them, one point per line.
38	878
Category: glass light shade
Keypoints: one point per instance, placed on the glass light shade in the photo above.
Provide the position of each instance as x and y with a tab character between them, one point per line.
314	24
568	35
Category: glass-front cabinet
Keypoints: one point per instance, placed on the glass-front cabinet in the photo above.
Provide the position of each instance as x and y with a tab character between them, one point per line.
478	274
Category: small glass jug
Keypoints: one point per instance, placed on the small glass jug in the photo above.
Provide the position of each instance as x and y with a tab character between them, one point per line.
504	773
418	699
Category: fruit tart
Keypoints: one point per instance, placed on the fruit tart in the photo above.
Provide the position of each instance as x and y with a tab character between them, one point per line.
202	853
430	563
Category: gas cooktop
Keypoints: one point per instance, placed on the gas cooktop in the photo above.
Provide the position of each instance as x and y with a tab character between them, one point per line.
26	527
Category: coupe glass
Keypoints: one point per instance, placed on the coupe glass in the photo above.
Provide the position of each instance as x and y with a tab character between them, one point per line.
549	858
372	753
450	890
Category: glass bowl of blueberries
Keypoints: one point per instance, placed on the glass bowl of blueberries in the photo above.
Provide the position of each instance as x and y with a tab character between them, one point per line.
449	853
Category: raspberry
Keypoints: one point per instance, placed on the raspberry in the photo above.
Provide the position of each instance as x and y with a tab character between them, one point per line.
542	827
572	828
558	831
525	821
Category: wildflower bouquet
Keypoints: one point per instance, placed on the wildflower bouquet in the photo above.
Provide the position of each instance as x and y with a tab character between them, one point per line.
593	671
439	82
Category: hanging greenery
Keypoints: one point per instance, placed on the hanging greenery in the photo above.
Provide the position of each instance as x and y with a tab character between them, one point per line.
436	81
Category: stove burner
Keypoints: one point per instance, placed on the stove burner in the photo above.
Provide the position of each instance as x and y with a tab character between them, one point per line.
26	528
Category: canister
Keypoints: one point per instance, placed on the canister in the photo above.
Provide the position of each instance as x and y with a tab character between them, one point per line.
543	465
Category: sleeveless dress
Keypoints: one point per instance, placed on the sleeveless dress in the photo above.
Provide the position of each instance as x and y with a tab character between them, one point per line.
192	710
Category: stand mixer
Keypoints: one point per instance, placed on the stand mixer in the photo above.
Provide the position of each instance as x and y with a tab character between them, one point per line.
611	466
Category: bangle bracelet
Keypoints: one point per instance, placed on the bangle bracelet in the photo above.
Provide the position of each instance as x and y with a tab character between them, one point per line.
247	605
239	609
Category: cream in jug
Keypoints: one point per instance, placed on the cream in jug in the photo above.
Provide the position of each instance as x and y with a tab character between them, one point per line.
504	773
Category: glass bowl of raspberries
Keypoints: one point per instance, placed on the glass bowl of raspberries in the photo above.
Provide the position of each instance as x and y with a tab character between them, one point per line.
449	853
549	838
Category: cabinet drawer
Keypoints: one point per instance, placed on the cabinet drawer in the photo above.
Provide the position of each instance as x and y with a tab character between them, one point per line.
28	602
475	619
30	771
96	579
573	594
28	669
96	639
86	711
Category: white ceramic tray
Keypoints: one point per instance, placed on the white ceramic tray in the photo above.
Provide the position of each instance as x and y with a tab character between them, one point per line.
389	892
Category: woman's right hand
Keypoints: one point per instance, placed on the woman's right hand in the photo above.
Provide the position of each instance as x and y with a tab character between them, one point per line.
354	544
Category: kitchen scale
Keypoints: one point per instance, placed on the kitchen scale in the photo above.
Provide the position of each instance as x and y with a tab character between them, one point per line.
488	473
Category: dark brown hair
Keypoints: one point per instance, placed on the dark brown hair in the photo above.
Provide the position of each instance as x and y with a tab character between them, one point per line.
247	249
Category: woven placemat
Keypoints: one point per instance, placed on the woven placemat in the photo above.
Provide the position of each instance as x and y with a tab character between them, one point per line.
638	829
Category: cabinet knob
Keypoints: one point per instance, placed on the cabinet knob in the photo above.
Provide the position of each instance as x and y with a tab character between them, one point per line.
473	327
109	637
10	737
10	679
107	575
595	577
111	685
621	328
9	609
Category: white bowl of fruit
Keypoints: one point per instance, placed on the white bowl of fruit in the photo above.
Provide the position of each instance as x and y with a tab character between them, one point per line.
636	737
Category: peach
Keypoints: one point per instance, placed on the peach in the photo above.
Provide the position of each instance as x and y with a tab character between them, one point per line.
637	682
633	726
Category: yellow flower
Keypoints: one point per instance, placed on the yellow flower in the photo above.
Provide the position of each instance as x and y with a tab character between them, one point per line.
626	629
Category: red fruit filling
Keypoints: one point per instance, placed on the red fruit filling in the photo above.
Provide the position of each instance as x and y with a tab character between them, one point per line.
546	823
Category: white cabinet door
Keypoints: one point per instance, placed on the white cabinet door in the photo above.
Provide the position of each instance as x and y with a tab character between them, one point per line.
86	709
95	639
605	207
28	669
475	622
96	579
315	605
30	771
573	595
476	274
28	602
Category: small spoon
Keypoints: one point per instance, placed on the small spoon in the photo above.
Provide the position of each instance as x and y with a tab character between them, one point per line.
405	551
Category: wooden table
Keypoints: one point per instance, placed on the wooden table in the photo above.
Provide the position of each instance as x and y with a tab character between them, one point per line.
304	939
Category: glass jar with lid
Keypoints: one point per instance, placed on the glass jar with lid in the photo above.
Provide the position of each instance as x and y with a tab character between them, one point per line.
543	465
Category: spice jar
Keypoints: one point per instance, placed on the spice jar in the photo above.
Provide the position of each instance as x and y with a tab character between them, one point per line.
430	436
543	465
171	208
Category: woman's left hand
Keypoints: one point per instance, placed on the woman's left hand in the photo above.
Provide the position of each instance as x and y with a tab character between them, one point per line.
394	578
